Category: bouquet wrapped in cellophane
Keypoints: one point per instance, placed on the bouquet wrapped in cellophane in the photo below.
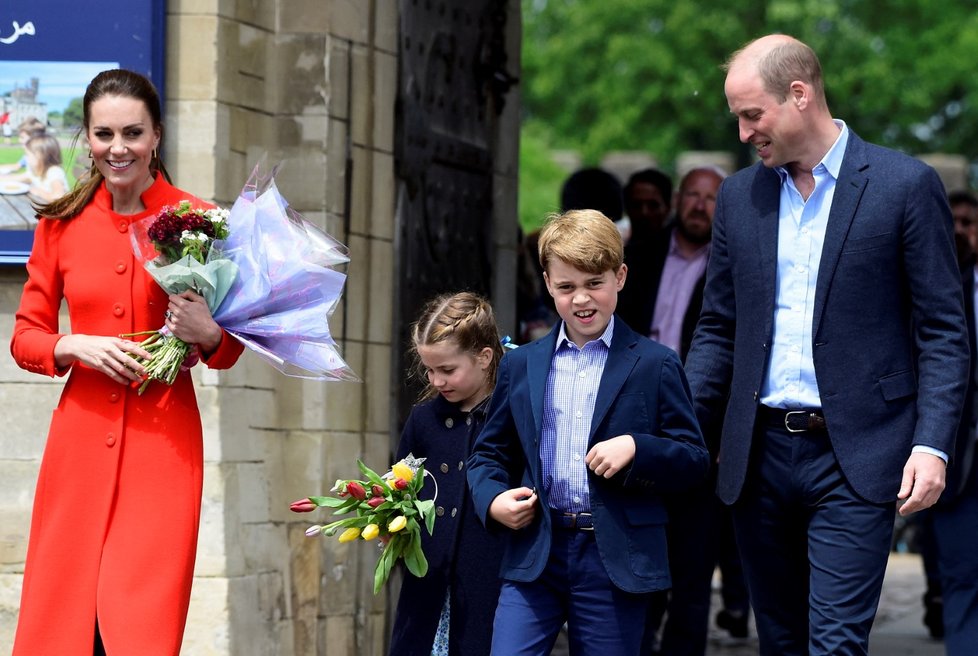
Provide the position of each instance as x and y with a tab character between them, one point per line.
268	279
385	507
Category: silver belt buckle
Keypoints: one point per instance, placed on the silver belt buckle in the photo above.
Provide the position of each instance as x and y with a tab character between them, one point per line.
789	428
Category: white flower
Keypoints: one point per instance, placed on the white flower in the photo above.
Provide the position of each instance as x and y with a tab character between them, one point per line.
188	235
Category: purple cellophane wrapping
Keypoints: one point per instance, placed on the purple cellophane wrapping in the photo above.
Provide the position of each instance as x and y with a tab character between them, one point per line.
286	286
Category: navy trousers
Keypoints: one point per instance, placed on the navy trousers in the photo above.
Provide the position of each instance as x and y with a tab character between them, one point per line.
814	553
574	588
956	529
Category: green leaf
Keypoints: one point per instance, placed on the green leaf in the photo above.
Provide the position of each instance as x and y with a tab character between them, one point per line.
369	473
414	558
341	505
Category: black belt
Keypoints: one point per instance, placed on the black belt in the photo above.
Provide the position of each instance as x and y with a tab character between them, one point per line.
800	420
579	521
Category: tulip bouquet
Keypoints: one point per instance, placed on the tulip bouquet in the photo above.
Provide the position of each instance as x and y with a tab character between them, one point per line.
385	507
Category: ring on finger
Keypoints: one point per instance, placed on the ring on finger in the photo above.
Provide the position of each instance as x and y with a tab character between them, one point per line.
167	314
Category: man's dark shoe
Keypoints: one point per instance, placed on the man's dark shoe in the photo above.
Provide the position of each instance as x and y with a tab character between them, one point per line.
733	622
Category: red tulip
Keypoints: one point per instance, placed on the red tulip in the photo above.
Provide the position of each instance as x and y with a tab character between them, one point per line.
373	502
302	505
376	490
400	484
356	490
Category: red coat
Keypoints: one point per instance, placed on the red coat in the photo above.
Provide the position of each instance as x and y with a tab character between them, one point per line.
117	507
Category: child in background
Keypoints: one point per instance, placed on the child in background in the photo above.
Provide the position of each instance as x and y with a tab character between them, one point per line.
443	614
599	422
47	179
28	129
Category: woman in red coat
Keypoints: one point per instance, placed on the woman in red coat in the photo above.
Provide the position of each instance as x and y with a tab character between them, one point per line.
114	531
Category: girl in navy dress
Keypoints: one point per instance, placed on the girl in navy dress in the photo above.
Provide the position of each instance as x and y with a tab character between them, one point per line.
444	613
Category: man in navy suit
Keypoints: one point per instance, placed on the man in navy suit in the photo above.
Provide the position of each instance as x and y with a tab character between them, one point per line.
832	348
587	428
955	517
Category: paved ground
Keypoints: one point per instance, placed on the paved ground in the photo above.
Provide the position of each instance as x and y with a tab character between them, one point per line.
898	630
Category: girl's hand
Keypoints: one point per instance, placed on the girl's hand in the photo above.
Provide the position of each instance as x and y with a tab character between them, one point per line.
188	318
609	457
514	508
110	355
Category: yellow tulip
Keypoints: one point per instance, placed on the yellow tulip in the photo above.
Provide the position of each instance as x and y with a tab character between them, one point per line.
399	523
403	471
349	535
370	531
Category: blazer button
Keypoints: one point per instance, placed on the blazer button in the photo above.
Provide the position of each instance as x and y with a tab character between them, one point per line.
123	226
461	463
439	511
454	511
120	267
113	397
118	310
468	420
449	422
110	439
444	468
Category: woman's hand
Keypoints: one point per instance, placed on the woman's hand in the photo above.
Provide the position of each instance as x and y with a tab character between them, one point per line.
189	318
110	355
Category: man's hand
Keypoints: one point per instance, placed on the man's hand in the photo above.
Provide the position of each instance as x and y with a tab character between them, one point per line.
609	457
514	508
923	482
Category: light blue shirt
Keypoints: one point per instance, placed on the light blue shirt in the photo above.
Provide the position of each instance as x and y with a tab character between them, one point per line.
568	407
790	381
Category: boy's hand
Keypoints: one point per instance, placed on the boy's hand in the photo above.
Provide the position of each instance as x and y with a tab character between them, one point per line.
609	457
514	508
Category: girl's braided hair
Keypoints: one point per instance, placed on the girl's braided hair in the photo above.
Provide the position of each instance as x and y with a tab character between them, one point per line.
464	318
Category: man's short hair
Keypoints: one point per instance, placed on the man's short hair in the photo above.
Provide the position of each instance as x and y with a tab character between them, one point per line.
654	177
592	189
585	239
962	196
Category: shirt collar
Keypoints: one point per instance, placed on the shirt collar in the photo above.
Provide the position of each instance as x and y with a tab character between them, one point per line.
605	336
832	160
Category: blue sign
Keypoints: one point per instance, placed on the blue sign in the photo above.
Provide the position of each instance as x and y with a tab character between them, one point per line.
49	52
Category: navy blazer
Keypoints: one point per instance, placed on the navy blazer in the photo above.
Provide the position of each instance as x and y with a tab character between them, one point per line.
643	392
890	344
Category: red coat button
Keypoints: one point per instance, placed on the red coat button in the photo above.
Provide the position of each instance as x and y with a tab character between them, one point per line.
120	267
110	439
123	226
113	397
118	310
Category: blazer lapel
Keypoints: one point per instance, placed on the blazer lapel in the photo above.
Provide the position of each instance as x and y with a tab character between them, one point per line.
848	191
766	201
537	367
621	361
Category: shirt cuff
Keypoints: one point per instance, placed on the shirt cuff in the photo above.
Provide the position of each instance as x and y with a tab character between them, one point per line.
920	448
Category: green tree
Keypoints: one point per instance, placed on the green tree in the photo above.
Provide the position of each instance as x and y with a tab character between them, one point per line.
646	74
73	113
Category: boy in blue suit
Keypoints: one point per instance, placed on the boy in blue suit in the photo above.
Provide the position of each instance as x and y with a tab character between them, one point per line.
597	422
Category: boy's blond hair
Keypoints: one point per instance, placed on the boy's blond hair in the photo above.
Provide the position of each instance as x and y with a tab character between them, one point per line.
585	239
